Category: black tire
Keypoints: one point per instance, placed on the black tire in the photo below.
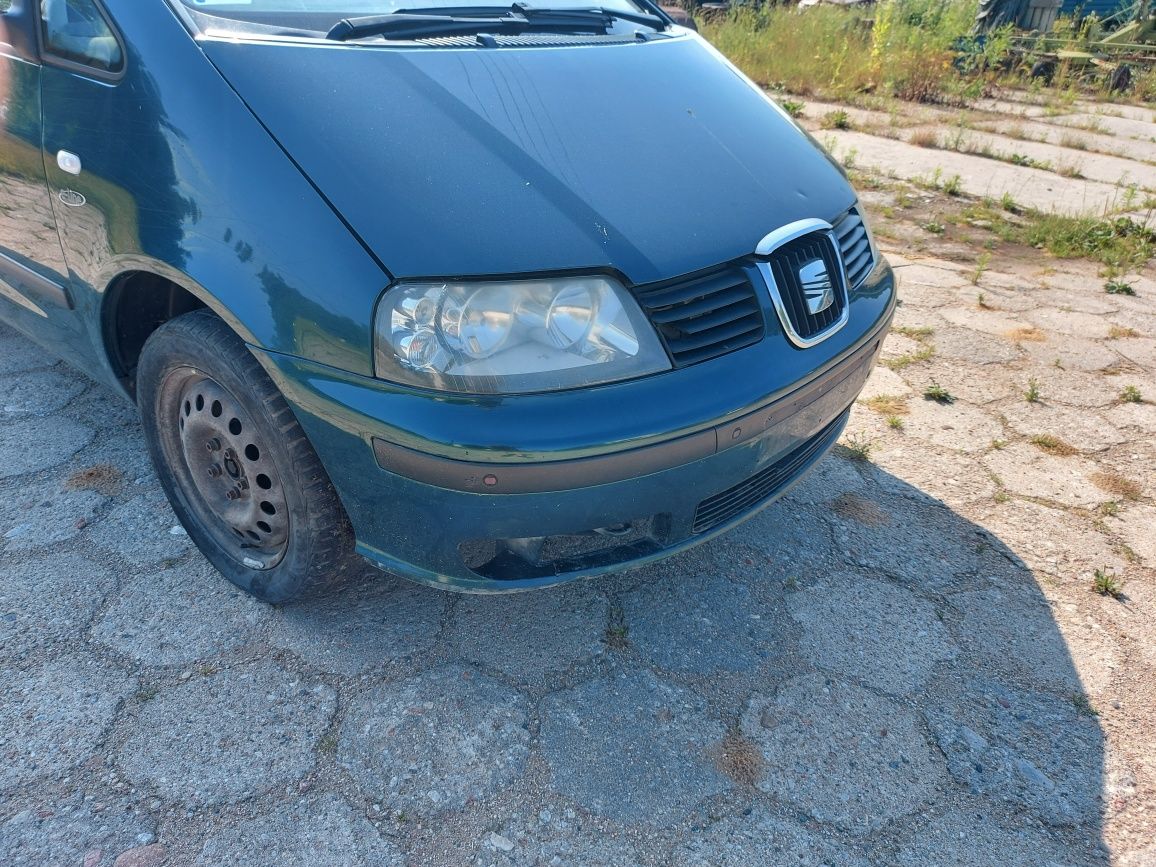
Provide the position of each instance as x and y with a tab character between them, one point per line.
252	494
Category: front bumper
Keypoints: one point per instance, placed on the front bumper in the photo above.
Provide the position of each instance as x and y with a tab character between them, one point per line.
557	499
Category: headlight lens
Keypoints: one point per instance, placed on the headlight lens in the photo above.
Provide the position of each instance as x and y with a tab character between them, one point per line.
513	336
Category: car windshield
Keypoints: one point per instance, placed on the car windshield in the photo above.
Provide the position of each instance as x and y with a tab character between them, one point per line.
320	15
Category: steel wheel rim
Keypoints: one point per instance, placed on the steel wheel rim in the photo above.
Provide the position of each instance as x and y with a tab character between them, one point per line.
231	481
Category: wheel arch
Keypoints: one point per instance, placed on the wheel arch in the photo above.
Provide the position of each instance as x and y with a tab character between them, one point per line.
139	299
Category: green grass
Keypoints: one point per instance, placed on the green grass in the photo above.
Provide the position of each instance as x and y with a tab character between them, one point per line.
858	447
1122	244
902	50
1032	395
1107	584
1084	704
937	393
793	107
837	119
981	265
1131	394
1119	287
917	50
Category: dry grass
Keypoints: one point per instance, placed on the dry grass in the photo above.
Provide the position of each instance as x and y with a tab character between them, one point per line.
1117	332
888	404
924	138
1117	485
740	758
1029	333
1071	140
1053	445
102	478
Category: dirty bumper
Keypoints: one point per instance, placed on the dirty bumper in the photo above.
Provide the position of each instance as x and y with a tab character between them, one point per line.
499	526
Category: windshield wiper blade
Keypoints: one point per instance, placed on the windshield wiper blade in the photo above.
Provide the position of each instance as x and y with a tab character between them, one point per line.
539	14
441	21
402	25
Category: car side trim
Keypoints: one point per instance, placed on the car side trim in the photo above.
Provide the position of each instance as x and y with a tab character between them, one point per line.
35	286
546	476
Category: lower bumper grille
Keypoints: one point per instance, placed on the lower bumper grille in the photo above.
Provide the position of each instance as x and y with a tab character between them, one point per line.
765	483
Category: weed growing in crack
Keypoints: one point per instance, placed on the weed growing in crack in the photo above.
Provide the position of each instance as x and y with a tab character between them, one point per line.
937	393
1032	394
1119	287
1107	584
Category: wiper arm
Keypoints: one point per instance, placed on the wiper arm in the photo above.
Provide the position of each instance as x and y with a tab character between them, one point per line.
418	23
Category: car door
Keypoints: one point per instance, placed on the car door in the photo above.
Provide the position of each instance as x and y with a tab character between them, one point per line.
33	273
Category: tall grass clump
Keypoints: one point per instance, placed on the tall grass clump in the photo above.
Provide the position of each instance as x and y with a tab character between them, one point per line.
904	50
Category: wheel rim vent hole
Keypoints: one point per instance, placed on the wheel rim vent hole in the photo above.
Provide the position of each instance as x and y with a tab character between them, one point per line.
268	508
264	482
235	426
252	452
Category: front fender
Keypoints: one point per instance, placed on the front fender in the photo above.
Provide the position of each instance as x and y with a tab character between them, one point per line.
182	181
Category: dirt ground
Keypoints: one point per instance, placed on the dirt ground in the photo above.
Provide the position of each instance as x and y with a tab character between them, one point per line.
902	662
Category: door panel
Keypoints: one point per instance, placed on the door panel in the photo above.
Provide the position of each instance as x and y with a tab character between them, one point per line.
33	273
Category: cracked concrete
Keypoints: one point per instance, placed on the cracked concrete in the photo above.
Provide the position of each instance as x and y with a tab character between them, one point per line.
902	662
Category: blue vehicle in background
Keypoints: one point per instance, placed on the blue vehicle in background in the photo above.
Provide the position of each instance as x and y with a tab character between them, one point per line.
413	280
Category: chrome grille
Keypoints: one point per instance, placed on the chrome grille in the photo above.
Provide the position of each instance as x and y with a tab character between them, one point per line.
788	264
703	317
855	245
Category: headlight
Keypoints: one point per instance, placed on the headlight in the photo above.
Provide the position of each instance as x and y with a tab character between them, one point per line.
513	336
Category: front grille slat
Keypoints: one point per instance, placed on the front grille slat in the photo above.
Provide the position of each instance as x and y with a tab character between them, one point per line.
764	484
687	290
855	245
702	306
718	318
704	317
718	334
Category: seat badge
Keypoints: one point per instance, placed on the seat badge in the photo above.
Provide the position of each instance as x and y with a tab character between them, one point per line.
817	286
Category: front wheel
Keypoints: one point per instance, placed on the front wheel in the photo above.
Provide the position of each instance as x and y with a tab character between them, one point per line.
242	477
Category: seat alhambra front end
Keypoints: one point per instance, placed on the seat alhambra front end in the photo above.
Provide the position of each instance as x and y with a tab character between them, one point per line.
496	296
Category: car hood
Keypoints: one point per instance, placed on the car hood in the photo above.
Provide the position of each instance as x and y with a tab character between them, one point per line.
654	159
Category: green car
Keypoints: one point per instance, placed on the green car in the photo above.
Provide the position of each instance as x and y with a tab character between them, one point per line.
493	296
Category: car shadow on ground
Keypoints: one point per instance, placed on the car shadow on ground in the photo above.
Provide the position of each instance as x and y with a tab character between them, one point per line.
858	675
858	662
